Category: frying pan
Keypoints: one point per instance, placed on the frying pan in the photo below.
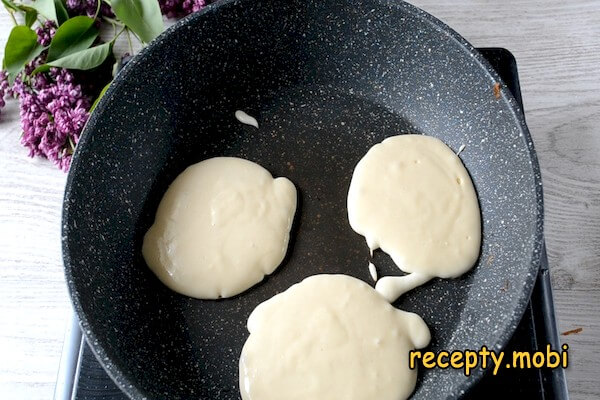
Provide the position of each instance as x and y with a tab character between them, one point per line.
326	79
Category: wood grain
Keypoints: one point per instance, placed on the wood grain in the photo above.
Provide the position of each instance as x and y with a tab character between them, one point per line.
557	46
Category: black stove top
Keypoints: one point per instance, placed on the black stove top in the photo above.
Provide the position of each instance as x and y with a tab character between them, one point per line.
84	378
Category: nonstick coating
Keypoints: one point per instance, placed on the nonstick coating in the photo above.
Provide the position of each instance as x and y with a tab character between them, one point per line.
326	81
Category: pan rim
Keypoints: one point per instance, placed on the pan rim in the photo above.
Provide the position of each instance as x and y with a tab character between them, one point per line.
125	383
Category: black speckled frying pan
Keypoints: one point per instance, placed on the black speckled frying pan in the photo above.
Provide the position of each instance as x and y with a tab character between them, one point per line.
326	81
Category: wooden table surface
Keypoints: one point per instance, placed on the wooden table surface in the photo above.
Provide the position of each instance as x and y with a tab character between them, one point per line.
557	47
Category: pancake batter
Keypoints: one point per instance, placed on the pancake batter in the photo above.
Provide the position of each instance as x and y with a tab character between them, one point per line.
221	226
330	337
412	197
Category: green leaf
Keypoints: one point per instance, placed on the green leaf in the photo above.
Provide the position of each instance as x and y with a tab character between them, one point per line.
141	16
102	92
45	8
30	15
76	34
61	12
54	10
83	60
41	68
21	48
10	5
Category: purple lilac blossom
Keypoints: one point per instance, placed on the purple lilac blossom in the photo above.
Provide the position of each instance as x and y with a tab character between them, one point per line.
88	7
53	112
53	108
4	88
45	32
179	8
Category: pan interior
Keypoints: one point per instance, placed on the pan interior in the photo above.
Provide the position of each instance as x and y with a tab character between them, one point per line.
326	81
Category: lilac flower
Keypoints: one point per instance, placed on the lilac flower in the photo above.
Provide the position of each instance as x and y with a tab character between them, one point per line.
4	88
53	112
88	7
53	107
178	8
45	32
